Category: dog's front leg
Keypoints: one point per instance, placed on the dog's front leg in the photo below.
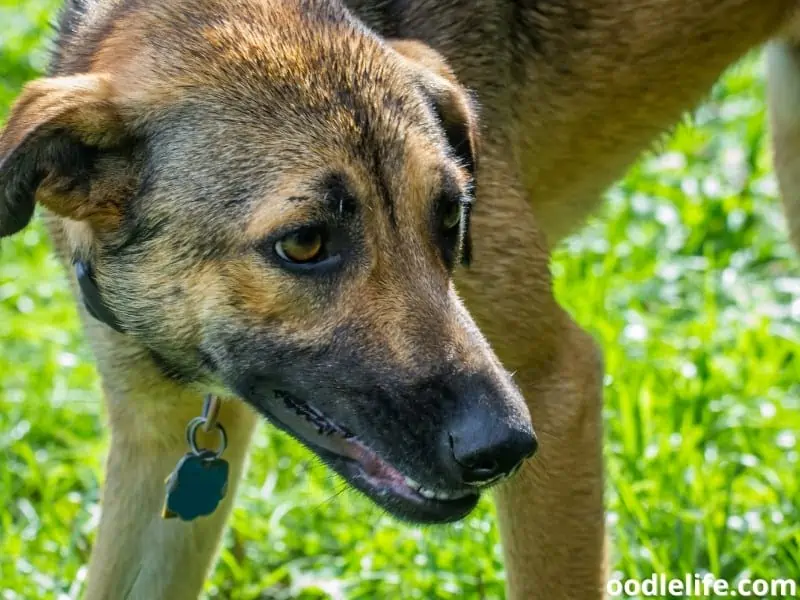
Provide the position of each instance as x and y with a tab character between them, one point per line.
551	513
138	555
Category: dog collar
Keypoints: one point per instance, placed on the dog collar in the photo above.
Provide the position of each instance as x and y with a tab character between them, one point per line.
200	479
92	299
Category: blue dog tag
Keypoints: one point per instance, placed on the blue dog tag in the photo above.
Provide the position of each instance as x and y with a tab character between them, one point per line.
196	486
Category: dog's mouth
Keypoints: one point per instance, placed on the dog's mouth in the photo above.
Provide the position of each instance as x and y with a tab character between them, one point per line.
363	468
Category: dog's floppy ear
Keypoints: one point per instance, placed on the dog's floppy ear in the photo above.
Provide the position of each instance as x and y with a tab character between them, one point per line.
450	101
56	133
453	107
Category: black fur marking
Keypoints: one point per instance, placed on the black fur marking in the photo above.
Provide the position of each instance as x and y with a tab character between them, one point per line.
394	14
323	424
372	148
137	234
92	298
456	132
207	362
44	152
451	242
337	196
16	197
466	236
171	370
457	135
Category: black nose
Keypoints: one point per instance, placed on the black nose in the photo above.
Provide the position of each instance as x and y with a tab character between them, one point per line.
487	447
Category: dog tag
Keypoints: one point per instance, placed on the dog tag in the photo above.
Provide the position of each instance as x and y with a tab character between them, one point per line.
196	486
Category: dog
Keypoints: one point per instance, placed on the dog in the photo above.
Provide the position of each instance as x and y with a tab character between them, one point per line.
271	201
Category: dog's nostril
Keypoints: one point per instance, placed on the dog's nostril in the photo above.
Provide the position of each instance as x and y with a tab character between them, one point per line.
477	468
484	457
482	467
534	447
489	436
477	462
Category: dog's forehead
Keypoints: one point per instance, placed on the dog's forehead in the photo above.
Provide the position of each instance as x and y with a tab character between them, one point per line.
299	55
267	175
291	77
378	146
243	102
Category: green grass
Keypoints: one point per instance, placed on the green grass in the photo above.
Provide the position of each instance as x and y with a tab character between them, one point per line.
687	281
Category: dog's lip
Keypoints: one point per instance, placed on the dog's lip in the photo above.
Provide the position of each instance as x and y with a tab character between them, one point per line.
363	468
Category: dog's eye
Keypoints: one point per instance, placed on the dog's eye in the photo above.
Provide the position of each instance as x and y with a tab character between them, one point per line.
302	246
452	216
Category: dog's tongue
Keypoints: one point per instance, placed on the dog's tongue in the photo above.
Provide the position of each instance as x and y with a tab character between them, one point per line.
374	467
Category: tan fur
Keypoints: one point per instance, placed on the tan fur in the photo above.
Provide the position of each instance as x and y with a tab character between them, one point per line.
570	91
784	98
80	103
136	553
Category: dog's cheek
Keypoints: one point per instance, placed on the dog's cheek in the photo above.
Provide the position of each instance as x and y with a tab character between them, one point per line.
260	295
256	316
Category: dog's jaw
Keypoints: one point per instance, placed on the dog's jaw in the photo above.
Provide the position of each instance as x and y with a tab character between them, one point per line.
363	468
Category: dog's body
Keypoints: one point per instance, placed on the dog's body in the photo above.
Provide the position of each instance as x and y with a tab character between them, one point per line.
570	91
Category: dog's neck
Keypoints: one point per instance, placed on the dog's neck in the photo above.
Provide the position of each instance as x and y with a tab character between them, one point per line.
92	298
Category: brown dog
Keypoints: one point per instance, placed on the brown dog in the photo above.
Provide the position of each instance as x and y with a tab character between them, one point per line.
268	199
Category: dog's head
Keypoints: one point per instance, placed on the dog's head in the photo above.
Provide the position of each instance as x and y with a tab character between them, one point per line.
273	200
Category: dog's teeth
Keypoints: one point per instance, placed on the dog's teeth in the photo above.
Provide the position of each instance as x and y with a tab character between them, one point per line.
429	494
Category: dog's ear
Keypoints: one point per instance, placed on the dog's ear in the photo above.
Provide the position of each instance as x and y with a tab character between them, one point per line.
453	107
57	133
450	101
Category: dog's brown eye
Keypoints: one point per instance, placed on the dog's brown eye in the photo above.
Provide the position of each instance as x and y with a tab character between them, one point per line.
301	246
452	215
